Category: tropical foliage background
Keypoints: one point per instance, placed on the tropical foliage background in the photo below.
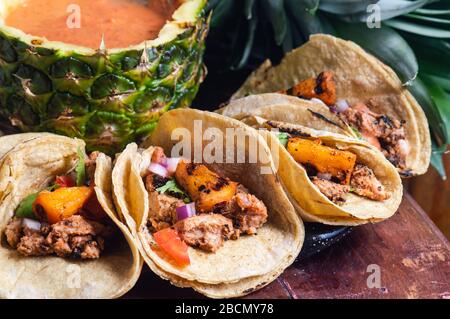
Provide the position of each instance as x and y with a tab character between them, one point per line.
413	38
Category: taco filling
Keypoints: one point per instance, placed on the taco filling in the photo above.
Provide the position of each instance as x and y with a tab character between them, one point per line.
190	205
334	172
380	130
65	219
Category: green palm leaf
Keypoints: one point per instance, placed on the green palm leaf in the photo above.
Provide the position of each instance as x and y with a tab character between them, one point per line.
424	30
388	10
386	44
277	16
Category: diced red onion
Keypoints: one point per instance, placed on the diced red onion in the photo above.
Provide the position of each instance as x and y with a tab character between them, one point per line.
158	169
31	224
185	211
171	164
341	106
403	146
326	176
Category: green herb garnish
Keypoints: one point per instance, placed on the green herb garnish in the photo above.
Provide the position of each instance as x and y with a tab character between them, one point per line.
283	138
172	187
25	209
80	169
357	133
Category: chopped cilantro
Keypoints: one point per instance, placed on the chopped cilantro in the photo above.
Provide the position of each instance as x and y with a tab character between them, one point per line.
357	133
171	187
80	169
283	138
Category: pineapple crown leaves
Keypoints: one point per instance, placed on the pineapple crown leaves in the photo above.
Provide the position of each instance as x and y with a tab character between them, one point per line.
414	39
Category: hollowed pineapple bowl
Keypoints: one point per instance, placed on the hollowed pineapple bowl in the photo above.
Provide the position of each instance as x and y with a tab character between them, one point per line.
108	96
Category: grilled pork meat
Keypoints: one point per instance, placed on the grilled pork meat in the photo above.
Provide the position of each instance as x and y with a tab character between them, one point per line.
365	183
333	191
206	231
27	241
246	211
380	130
74	237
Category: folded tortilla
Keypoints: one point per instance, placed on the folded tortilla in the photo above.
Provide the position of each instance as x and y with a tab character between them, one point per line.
359	77
309	202
239	266
289	109
29	166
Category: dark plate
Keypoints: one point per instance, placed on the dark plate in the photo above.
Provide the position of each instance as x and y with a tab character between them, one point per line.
319	237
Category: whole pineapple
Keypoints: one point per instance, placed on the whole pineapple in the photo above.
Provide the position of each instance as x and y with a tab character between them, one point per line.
106	97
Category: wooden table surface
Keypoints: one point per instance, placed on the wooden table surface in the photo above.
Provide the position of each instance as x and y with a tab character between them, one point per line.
412	255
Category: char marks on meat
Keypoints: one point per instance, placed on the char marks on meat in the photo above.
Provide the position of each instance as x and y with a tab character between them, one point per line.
206	231
333	191
247	212
251	213
74	237
365	183
390	132
78	237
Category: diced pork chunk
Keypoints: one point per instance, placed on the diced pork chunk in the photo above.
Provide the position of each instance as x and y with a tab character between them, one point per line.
27	241
333	191
13	232
34	244
247	212
206	231
365	183
389	132
78	237
252	213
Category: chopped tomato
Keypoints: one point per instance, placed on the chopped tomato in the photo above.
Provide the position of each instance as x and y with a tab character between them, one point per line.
61	203
64	181
362	108
170	242
93	209
373	140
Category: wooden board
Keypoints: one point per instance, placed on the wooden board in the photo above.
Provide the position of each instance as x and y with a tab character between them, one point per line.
411	253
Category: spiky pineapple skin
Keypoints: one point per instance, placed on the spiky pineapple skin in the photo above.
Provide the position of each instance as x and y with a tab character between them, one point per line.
106	99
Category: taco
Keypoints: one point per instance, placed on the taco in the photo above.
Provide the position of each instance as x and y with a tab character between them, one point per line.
311	113
7	142
196	221
359	89
60	237
331	178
